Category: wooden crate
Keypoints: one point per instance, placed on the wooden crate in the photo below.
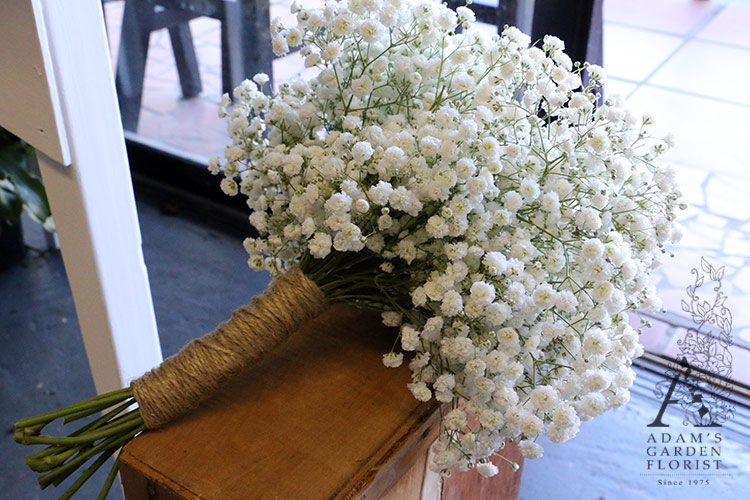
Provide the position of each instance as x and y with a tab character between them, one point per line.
320	418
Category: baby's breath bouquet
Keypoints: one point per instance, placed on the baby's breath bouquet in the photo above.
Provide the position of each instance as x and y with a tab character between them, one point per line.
470	188
505	222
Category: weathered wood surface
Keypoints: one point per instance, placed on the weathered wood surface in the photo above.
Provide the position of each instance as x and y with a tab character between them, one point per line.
29	94
503	486
321	418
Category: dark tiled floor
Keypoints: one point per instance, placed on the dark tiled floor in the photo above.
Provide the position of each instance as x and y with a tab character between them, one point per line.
198	276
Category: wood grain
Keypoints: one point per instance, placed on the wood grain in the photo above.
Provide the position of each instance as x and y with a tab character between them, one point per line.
29	94
410	485
503	486
91	195
321	418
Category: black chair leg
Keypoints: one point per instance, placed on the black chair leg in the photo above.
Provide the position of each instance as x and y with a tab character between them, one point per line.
232	68
131	62
518	13
595	46
185	59
245	39
246	42
577	23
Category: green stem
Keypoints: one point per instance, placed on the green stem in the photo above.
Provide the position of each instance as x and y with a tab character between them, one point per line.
88	437
48	463
110	479
102	401
61	473
104	419
91	411
86	474
63	453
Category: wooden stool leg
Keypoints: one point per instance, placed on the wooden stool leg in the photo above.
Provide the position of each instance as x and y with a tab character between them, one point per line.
131	62
185	59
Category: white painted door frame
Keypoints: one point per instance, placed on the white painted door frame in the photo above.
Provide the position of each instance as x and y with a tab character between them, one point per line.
69	113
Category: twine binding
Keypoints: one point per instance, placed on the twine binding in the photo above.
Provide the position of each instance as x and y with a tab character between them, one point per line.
191	376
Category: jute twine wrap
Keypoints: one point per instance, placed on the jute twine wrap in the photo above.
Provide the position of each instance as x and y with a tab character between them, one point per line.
192	375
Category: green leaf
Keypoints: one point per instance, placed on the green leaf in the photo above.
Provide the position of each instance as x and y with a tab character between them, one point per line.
28	188
11	205
35	199
10	159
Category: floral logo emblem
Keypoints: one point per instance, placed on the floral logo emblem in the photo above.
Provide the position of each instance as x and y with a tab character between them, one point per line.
699	380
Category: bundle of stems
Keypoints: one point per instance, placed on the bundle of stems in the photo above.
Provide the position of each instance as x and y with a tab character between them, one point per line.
102	437
339	278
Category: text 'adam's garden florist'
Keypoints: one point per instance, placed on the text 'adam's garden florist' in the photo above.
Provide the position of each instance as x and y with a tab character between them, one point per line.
684	451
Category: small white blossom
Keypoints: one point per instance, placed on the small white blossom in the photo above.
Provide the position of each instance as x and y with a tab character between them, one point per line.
486	469
229	186
530	449
320	245
420	391
362	151
544	398
391	318
380	193
393	360
455	419
280	46
409	338
483	293
452	303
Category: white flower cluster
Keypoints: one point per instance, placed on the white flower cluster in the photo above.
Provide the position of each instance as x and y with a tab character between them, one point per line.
519	216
